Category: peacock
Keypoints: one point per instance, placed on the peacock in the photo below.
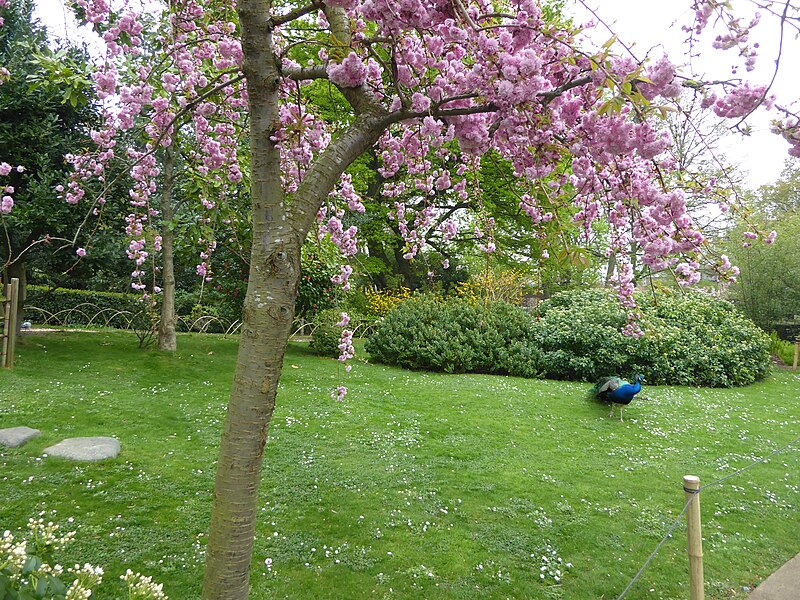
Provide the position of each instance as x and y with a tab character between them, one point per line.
617	391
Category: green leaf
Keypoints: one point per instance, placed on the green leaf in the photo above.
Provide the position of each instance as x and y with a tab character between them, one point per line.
57	586
41	587
33	563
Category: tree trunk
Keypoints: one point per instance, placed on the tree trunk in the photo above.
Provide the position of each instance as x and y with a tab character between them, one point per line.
279	229
266	325
167	340
611	267
267	316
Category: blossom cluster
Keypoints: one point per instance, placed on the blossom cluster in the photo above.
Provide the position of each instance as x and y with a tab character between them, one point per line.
464	79
6	200
195	87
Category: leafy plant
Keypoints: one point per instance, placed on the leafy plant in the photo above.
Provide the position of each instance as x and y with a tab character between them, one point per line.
690	339
316	291
781	348
453	335
380	302
495	285
325	337
26	572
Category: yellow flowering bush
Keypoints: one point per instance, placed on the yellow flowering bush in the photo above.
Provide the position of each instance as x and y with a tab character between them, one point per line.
495	286
380	302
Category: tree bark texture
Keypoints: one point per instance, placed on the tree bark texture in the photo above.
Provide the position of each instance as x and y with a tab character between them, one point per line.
267	319
279	228
167	339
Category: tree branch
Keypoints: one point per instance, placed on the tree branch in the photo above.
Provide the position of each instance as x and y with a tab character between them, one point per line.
298	12
555	93
305	73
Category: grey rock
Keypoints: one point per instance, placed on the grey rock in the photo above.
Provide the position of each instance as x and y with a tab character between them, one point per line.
85	448
16	436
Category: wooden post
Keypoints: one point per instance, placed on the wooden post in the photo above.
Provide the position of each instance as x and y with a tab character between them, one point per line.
6	314
691	486
796	352
10	323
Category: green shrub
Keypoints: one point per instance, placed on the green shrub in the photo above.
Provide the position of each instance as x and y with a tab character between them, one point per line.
705	342
578	336
325	337
454	336
690	339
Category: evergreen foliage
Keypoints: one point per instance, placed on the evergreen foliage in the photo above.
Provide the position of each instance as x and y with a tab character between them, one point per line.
690	339
453	335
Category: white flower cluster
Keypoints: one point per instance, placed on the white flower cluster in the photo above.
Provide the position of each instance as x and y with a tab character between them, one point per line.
44	538
86	577
44	535
12	554
141	587
552	566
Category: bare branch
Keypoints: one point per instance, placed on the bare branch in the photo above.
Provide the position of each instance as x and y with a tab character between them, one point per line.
298	12
305	73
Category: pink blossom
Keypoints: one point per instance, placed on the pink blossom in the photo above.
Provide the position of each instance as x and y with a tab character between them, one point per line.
81	252
740	101
351	72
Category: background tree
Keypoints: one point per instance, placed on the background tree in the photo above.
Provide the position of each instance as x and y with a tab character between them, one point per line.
44	115
768	287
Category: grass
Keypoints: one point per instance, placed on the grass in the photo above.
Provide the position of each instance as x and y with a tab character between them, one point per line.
782	349
418	485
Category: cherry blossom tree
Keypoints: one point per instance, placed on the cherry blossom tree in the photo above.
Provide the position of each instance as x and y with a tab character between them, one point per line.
423	79
431	85
171	84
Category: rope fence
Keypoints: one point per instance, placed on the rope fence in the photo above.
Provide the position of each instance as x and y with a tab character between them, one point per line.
692	494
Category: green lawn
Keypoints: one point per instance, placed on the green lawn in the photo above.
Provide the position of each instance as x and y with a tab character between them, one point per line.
418	485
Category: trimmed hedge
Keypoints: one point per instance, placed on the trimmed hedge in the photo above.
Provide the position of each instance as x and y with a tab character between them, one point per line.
690	339
62	306
454	336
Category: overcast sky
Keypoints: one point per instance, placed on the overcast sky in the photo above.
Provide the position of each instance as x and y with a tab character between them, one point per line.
653	27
